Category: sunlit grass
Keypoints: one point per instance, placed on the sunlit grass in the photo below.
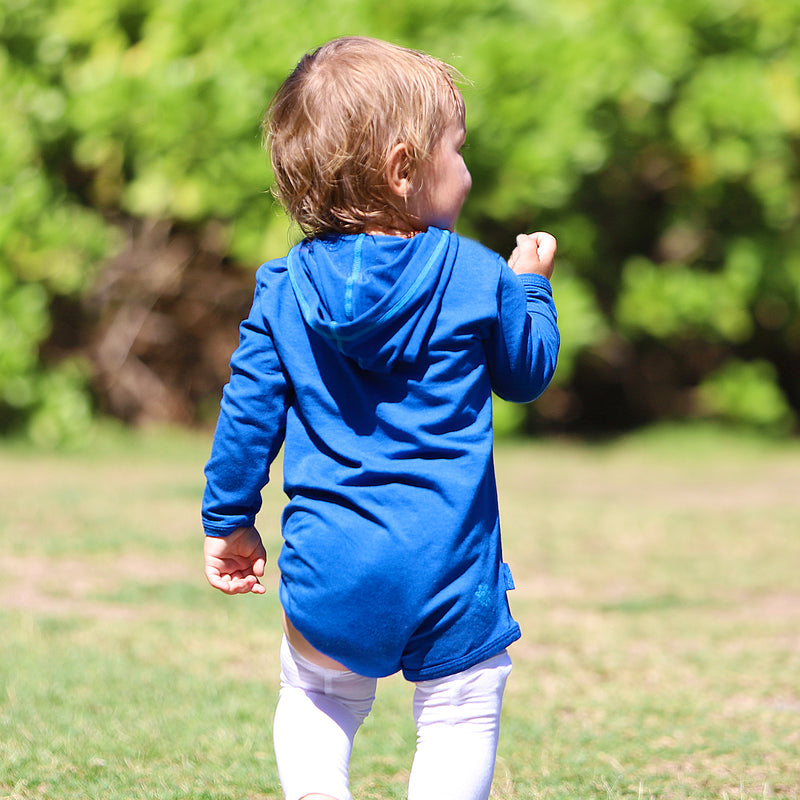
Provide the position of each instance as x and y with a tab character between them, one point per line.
657	588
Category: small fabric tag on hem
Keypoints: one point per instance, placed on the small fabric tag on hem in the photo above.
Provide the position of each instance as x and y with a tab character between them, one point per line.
507	577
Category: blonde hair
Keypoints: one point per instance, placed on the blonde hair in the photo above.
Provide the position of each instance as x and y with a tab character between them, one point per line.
333	123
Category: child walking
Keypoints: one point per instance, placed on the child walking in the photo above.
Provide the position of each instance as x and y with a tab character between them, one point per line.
370	353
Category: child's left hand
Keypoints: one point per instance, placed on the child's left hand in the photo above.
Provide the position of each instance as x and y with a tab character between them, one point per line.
534	254
234	563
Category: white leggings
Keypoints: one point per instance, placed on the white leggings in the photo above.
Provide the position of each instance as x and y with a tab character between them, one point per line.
457	717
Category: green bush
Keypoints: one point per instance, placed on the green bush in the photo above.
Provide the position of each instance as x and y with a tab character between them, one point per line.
747	393
657	140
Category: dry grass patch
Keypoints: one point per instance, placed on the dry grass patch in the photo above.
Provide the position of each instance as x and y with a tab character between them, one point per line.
657	590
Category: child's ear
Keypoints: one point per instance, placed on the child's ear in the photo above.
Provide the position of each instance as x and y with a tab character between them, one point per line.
398	170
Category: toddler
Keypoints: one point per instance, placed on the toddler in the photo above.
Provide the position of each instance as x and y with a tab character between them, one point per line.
370	353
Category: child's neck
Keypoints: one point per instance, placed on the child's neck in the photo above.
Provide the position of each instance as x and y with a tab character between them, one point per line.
391	232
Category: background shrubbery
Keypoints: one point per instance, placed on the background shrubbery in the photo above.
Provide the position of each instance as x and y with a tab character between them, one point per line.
659	141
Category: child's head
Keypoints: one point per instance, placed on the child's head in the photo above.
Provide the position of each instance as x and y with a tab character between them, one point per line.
352	114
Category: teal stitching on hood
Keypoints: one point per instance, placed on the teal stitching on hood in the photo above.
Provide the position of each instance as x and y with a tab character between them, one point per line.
421	277
291	266
332	329
354	276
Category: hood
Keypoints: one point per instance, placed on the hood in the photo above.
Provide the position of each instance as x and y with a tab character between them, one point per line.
375	298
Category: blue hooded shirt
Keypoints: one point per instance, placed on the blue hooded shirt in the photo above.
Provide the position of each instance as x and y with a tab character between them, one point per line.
372	359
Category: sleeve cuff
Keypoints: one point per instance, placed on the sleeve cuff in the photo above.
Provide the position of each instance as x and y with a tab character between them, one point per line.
532	281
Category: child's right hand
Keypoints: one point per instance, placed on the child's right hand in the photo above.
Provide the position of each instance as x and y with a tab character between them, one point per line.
234	563
535	253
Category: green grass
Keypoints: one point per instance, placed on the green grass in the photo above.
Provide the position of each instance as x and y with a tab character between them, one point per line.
658	588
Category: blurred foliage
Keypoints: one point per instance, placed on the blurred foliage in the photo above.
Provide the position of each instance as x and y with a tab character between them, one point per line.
746	392
659	141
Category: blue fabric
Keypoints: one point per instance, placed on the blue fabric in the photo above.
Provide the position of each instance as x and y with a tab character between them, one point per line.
373	358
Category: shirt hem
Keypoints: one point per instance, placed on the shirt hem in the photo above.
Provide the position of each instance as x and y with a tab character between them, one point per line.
465	662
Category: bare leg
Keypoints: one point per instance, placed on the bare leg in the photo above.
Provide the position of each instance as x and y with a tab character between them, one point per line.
301	646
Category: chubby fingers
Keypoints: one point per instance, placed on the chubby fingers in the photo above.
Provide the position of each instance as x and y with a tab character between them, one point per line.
535	253
234	563
546	245
233	582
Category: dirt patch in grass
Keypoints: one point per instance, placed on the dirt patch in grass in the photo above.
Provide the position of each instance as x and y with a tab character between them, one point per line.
72	587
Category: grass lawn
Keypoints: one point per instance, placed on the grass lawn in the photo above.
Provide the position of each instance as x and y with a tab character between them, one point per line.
658	588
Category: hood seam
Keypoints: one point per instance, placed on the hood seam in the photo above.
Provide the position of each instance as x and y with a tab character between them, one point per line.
355	274
411	291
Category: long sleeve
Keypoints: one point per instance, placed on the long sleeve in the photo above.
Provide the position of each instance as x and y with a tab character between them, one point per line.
522	349
250	429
